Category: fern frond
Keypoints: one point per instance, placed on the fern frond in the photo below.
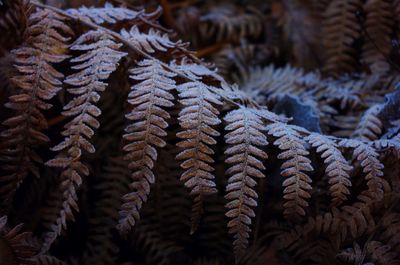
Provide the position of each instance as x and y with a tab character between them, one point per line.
109	14
101	248
297	182
36	84
337	167
340	31
99	60
303	235
379	27
358	216
13	23
48	260
225	23
16	246
382	254
391	230
148	121
157	250
370	126
151	41
245	157
353	255
261	83
196	119
372	167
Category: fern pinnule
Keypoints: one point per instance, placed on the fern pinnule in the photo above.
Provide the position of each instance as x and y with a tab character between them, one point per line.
36	84
337	167
99	60
297	182
196	119
145	132
245	156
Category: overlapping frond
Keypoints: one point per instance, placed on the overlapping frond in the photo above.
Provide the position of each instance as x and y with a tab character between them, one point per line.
150	41
224	23
145	132
382	254
378	27
36	84
352	255
341	29
16	247
337	168
371	166
99	59
370	126
245	156
110	14
197	118
13	23
48	260
297	183
101	248
337	192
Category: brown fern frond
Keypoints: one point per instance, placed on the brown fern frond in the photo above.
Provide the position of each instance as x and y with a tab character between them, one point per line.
151	41
110	14
379	27
382	254
329	224
157	250
337	167
99	60
36	84
297	183
245	156
370	126
16	247
347	92
196	119
101	248
148	121
371	166
50	211
48	260
226	23
353	255
391	230
340	31
261	83
13	23
358	216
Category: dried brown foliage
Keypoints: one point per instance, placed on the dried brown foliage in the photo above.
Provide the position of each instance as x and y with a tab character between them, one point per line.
121	145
